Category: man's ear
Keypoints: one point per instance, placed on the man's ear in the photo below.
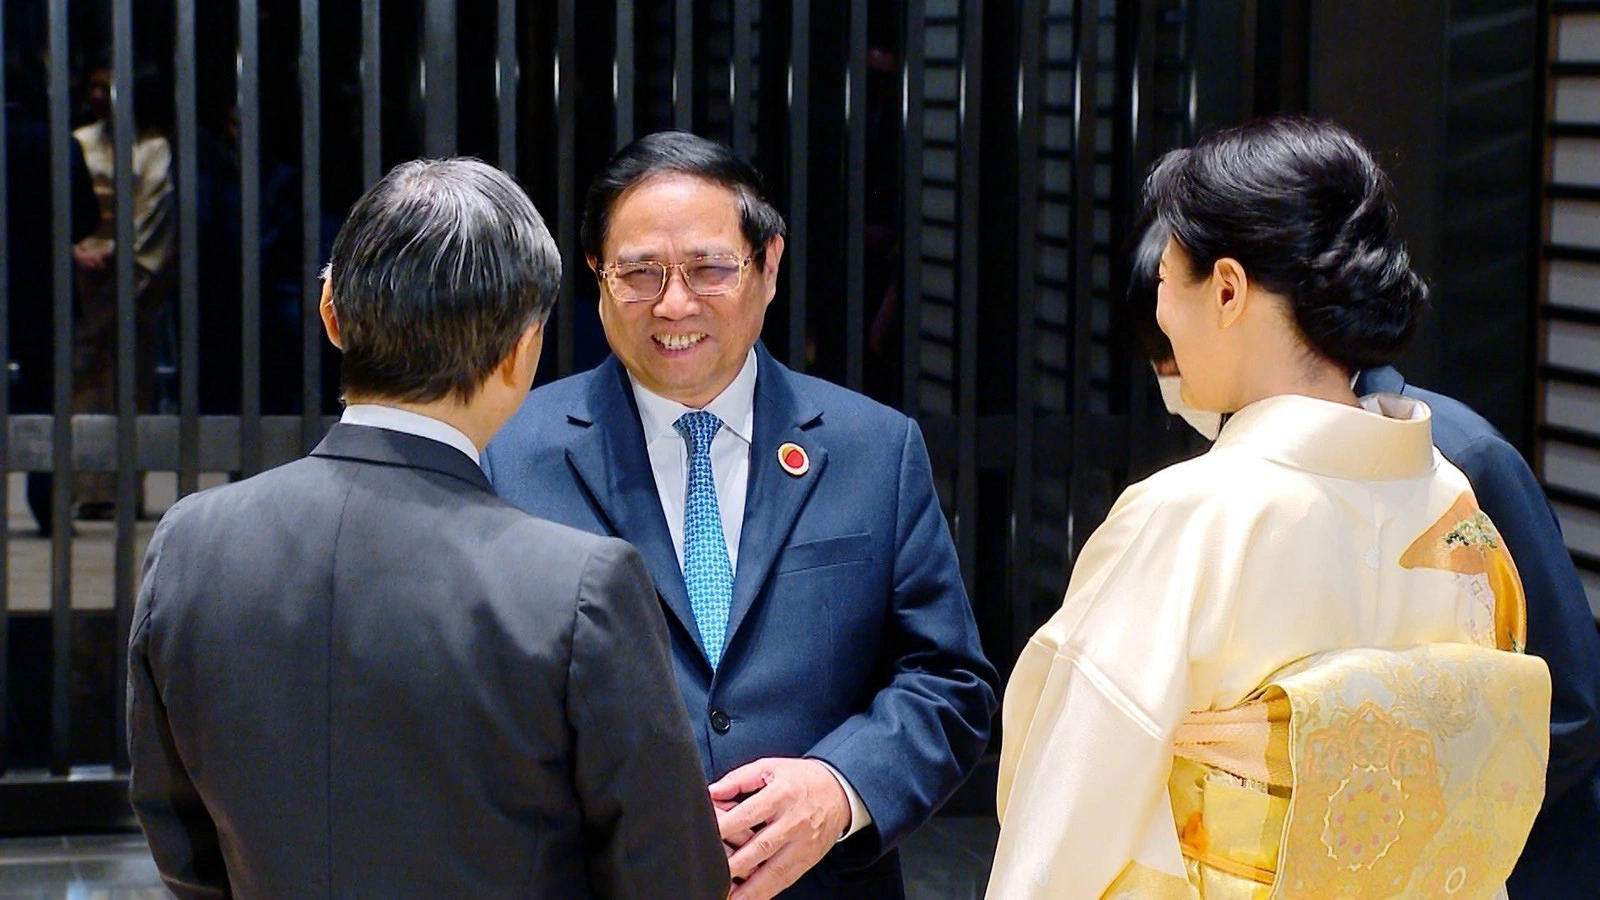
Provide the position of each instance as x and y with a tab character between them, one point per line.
330	318
594	269
769	265
522	362
774	255
1232	290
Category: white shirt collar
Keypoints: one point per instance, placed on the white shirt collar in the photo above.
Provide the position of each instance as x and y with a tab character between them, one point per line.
389	418
735	406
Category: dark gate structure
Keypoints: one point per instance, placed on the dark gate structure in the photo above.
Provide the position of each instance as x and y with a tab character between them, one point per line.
959	179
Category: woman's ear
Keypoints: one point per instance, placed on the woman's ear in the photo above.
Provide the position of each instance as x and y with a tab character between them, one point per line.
1232	290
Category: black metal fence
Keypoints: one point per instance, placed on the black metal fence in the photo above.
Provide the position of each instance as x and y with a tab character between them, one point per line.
958	179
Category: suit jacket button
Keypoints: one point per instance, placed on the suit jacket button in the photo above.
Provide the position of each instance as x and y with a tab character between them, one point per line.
720	723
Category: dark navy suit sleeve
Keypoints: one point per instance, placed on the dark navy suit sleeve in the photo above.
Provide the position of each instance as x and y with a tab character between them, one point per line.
1561	627
183	837
909	750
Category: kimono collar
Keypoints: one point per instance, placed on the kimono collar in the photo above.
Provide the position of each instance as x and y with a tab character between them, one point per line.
1390	437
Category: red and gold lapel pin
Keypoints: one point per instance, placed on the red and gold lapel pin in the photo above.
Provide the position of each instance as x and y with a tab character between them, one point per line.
792	457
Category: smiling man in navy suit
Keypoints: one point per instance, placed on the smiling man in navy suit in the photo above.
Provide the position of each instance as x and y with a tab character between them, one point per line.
822	639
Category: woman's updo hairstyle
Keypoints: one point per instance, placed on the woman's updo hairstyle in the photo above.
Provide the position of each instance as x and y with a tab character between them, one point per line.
1305	210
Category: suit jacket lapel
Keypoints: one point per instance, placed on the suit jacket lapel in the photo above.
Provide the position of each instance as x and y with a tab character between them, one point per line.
774	498
610	460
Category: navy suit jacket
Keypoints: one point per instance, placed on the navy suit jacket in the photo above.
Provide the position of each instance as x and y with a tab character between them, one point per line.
850	638
1562	857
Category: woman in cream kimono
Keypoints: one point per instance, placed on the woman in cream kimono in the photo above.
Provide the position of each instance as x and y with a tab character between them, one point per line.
1274	672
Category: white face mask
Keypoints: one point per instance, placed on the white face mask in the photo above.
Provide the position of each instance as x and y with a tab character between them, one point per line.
1209	424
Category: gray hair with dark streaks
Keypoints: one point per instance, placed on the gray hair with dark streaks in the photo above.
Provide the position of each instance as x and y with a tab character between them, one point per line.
435	274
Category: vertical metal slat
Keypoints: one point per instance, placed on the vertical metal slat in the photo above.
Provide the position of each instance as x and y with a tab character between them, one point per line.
371	94
5	416
566	190
1191	71
911	103
683	65
795	250
249	69
1138	74
623	74
970	252
739	93
185	102
310	224
61	425
506	74
855	106
127	408
1086	30
439	93
1030	84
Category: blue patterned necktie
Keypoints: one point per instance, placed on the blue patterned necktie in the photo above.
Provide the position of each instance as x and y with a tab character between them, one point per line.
707	572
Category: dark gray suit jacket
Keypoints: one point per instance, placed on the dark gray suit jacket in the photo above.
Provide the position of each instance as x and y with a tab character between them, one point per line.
364	674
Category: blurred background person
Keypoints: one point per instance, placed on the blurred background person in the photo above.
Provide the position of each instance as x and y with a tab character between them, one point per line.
30	267
94	370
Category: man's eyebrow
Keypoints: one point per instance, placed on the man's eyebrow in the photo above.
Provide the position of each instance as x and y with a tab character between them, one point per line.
629	255
632	256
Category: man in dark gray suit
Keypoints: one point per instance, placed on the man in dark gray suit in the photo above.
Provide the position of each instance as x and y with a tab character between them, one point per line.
362	673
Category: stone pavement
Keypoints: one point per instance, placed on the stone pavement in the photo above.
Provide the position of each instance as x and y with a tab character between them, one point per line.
28	555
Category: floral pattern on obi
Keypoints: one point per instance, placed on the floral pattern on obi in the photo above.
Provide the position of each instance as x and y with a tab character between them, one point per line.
1416	772
1381	795
1464	541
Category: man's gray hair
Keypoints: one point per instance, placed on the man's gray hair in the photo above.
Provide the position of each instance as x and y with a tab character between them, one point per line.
438	270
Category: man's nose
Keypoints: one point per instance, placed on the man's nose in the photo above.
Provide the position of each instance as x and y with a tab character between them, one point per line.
677	300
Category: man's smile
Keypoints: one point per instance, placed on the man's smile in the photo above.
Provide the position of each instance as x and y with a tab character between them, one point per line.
682	341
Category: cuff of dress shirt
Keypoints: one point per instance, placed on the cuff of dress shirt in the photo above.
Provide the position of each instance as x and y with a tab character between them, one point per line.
859	817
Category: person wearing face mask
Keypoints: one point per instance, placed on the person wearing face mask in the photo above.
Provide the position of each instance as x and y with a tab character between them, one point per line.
1562	856
1144	276
1291	664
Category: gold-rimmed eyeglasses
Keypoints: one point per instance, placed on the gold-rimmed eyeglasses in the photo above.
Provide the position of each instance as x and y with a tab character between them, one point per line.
644	280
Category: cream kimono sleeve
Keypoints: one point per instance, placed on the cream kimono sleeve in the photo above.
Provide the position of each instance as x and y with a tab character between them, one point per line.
1097	695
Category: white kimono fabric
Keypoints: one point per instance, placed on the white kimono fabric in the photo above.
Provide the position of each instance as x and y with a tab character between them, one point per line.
1295	535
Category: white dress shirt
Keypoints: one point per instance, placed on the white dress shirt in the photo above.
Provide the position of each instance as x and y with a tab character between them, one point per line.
390	418
730	466
730	453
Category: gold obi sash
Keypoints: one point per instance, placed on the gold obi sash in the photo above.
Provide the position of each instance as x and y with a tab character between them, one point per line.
1367	773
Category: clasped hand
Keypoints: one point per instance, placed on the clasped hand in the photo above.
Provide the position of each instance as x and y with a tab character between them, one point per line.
778	818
